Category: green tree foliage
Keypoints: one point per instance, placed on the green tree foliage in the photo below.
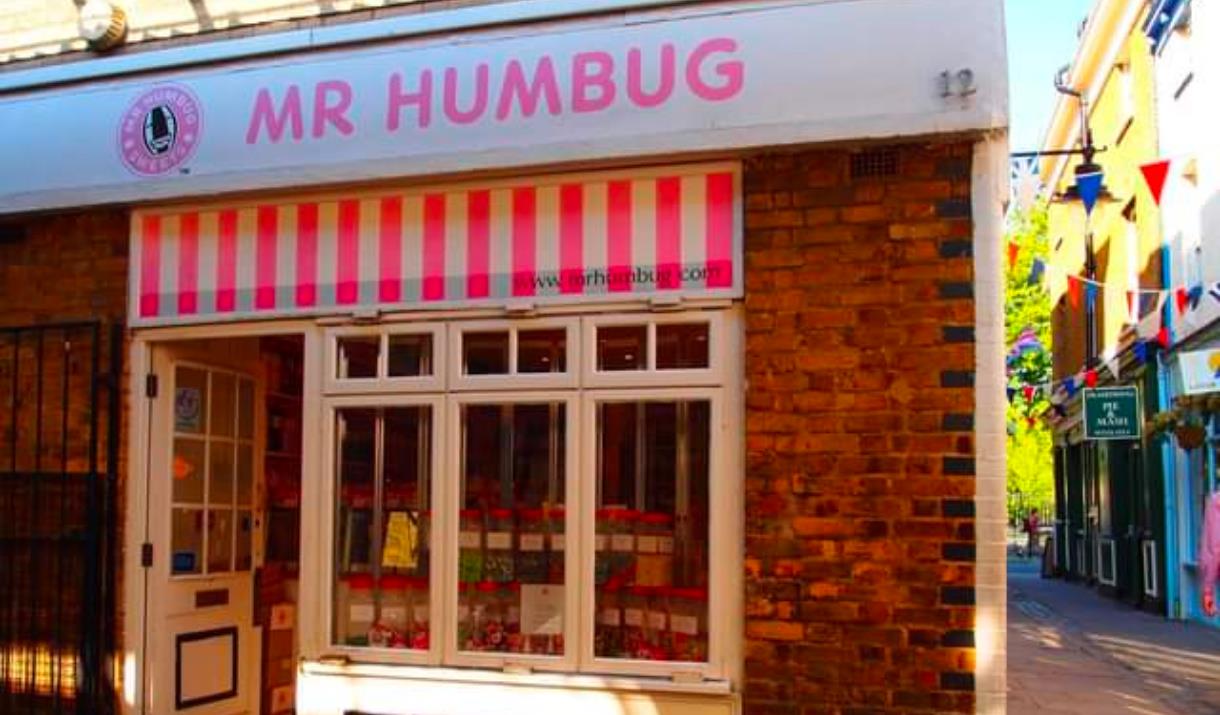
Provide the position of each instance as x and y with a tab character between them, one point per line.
1028	336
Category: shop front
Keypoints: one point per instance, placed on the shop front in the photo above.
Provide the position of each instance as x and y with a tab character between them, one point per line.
618	362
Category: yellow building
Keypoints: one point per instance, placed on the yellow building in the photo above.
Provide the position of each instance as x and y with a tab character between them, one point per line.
1109	494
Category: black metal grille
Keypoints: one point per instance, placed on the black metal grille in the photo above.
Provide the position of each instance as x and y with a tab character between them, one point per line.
59	431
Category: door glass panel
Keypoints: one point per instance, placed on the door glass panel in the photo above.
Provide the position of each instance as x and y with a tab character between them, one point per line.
224	405
410	355
188	470
221	470
190	400
187	542
245	474
651	543
358	357
622	348
682	346
511	565
485	353
220	540
382	590
243	559
542	351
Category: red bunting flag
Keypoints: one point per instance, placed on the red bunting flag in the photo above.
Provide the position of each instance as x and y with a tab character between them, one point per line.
1028	391
1074	291
1013	252
1155	175
1090	378
1162	337
1132	296
1183	297
1030	422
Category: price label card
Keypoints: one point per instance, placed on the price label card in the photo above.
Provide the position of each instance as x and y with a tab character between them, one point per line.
686	625
468	539
633	617
612	617
541	609
622	542
658	620
646	544
499	540
532	542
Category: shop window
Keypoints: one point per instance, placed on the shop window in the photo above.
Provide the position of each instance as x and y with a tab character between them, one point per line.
410	355
651	539
382	539
213	472
358	357
580	463
385	359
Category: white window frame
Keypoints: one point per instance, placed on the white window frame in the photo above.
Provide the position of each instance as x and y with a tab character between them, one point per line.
712	375
580	389
451	526
722	537
514	380
439	548
435	382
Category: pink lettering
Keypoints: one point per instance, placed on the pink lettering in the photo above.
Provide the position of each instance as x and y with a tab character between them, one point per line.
732	71
265	115
543	86
600	78
324	111
635	77
422	99
460	116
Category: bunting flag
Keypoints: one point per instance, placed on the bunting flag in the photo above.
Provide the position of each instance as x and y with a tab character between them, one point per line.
1029	391
1090	294
1071	386
1036	271
1133	314
1155	175
1162	337
1090	377
1141	351
1113	367
1089	187
1014	251
1074	291
1183	299
1195	294
1215	292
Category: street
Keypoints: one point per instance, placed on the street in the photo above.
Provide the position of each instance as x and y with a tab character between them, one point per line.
1073	651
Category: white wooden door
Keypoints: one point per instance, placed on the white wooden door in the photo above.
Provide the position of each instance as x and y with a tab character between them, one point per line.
204	523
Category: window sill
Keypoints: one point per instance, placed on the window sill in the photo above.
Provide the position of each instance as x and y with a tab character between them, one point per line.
562	681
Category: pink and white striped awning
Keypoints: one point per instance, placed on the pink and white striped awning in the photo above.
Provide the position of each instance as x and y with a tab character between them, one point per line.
672	231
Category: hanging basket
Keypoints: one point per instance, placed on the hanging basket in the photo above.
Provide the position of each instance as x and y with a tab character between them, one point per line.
1190	436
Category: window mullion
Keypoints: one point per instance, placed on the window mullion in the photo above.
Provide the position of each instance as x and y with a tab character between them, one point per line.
375	544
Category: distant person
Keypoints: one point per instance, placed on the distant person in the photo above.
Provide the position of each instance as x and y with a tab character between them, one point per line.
1031	530
1209	553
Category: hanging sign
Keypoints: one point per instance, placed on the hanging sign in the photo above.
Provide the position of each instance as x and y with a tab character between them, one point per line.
1111	413
1200	371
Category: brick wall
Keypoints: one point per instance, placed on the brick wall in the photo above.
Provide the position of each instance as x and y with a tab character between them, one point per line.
860	511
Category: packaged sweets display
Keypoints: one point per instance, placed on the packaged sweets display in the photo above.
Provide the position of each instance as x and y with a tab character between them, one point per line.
608	636
688	624
510	598
488	613
656	624
391	629
418	636
498	558
556	543
615	546
359	611
634	629
470	546
532	565
654	557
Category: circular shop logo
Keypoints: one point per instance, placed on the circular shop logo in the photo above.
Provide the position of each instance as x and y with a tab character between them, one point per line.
160	130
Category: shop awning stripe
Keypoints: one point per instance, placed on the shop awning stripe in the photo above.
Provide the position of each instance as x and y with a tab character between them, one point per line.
609	236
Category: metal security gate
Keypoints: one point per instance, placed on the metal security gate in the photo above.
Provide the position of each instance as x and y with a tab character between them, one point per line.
59	430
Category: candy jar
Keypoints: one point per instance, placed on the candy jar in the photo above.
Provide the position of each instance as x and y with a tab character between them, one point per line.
531	548
498	560
654	557
688	624
608	638
470	546
392	627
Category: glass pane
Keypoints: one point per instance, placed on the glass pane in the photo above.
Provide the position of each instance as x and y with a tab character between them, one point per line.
511	538
358	357
682	346
651	543
542	351
224	404
245	538
410	355
187	542
190	400
188	470
245	409
245	474
220	540
485	353
622	348
221	473
354	520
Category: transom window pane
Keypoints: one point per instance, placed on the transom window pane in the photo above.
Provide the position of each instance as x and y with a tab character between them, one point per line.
622	348
358	357
512	539
682	346
410	355
383	534
651	543
540	351
485	353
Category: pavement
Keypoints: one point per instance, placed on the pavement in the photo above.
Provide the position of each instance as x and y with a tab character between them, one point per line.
1071	650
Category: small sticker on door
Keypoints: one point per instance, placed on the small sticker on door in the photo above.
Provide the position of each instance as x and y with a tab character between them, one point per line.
188	410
